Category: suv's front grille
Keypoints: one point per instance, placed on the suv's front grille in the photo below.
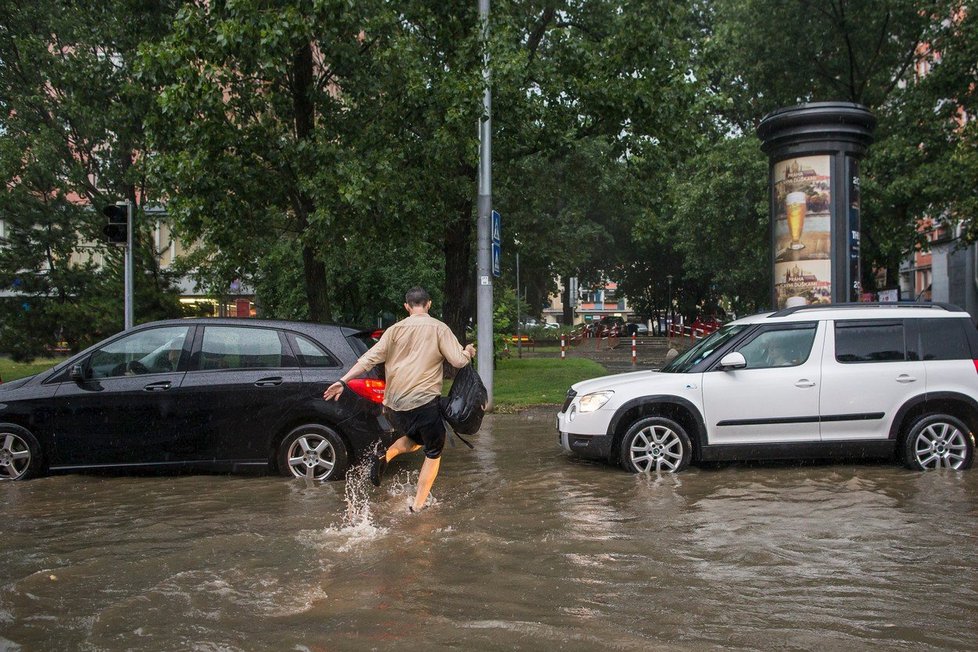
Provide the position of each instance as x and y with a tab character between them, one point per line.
567	401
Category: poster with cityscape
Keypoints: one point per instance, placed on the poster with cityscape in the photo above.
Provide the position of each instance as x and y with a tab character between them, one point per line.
803	230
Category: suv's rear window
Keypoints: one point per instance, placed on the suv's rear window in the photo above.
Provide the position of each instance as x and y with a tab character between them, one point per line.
943	339
869	341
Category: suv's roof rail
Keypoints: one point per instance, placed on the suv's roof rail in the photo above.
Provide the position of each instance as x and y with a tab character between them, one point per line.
870	304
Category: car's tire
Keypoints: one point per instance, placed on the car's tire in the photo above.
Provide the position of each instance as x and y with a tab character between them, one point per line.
655	444
21	457
313	451
938	441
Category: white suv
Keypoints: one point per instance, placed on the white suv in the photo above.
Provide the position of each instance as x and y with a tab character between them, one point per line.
822	381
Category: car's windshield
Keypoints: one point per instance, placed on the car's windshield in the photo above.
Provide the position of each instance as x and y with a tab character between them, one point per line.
702	349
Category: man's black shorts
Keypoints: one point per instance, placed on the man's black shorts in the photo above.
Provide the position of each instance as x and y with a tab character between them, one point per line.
423	425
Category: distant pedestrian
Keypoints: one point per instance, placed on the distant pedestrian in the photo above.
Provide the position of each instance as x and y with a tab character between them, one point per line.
412	351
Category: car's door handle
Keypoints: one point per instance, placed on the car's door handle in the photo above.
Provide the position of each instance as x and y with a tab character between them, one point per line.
804	383
905	378
269	382
161	386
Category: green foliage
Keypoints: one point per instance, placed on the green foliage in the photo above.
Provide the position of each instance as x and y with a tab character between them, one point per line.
759	55
71	118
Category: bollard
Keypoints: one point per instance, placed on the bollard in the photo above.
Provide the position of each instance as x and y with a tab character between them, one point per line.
634	356
563	347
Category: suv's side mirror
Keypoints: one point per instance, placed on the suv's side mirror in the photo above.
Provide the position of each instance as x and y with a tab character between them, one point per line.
735	360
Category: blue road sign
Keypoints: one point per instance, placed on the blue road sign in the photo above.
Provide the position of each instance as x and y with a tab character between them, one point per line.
497	255
497	228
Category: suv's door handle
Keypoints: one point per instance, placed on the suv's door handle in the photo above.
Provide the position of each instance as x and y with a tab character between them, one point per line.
905	378
161	386
269	382
804	383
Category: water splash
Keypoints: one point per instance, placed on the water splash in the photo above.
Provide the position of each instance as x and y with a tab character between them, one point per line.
357	526
356	493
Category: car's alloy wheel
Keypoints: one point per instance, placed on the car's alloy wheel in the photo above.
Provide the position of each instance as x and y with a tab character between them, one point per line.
19	453
939	441
656	444
313	452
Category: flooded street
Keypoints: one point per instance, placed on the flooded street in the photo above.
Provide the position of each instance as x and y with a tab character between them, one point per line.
524	548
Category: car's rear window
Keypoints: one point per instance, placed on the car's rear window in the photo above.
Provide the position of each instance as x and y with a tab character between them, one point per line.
361	342
229	347
943	339
312	355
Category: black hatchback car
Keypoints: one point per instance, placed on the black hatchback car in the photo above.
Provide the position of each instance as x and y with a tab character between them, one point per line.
207	394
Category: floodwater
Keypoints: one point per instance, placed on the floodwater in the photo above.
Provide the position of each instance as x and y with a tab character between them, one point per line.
524	548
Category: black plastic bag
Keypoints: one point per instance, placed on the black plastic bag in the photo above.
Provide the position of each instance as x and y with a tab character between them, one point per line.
465	404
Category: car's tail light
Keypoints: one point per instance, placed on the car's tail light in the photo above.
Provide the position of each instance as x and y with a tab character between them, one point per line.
369	388
976	365
377	333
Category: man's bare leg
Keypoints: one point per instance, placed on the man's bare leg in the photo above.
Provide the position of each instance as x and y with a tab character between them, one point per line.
403	445
429	471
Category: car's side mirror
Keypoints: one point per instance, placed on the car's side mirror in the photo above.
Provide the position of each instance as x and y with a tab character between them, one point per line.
731	361
77	372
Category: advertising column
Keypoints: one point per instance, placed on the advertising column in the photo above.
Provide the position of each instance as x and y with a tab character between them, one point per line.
814	152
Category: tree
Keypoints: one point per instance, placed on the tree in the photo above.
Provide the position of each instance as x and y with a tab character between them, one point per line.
71	118
593	98
759	55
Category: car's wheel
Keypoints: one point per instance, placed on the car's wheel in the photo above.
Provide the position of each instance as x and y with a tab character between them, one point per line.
938	441
20	454
656	444
313	452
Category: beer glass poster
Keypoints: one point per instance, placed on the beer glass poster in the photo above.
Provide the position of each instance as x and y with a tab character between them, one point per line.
803	230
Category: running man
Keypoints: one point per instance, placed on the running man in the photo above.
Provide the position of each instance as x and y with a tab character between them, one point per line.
412	351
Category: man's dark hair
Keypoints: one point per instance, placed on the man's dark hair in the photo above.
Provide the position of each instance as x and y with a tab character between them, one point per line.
416	297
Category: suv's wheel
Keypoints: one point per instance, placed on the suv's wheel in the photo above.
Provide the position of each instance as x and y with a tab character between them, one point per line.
314	452
656	444
20	454
938	441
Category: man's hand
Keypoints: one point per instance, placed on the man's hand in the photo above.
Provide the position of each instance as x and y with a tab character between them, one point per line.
470	350
333	392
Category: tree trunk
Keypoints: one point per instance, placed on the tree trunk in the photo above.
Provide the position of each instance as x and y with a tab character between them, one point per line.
459	277
567	319
314	270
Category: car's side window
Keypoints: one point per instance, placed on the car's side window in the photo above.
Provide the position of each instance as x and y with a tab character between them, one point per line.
881	341
152	351
233	347
779	348
312	355
943	339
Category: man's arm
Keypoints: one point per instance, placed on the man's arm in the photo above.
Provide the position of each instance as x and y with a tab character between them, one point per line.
333	392
452	351
370	359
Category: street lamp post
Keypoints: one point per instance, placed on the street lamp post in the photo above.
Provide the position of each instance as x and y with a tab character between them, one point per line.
484	290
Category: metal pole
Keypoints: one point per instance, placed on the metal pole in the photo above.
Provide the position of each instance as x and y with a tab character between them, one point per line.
519	340
484	287
128	268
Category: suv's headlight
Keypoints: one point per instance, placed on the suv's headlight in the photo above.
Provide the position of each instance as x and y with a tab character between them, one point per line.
591	402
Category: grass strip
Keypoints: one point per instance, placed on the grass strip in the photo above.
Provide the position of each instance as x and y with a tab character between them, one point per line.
10	370
522	382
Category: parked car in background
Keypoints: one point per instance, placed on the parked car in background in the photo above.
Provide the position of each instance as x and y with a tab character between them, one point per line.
636	328
220	394
822	381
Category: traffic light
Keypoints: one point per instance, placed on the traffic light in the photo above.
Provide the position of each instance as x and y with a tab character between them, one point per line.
116	230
